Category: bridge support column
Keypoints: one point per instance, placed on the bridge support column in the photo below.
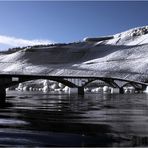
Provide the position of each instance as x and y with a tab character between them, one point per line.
2	95
121	90
80	90
144	87
146	90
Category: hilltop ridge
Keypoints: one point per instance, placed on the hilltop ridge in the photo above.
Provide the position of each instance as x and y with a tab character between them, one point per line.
122	55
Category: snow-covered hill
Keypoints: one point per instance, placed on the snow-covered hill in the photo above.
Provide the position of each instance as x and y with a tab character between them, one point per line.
124	55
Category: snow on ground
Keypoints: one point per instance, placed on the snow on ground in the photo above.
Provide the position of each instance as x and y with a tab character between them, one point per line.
136	36
124	56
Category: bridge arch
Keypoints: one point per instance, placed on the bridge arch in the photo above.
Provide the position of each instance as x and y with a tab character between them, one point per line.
65	82
109	81
119	83
103	80
137	86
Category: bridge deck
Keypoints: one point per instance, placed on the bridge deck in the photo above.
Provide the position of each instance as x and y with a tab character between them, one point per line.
46	76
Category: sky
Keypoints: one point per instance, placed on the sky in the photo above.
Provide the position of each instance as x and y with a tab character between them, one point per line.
42	22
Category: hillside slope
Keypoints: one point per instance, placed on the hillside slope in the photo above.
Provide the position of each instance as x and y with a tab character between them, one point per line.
125	55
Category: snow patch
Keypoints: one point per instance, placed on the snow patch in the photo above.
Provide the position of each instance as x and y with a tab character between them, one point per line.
124	56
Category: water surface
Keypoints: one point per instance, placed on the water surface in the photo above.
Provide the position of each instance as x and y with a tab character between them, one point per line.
38	119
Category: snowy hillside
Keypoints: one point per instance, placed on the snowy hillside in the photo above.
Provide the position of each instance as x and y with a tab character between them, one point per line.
124	55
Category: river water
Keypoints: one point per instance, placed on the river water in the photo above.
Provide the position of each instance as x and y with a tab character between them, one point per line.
38	119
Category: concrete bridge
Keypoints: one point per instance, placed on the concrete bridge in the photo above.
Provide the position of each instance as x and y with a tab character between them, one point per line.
79	82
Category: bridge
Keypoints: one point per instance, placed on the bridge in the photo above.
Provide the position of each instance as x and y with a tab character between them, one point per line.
79	82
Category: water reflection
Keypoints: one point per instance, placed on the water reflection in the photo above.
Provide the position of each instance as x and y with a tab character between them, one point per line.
69	120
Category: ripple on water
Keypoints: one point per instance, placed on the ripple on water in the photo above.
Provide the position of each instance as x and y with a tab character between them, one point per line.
12	122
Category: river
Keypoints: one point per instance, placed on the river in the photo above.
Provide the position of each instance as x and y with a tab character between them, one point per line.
108	120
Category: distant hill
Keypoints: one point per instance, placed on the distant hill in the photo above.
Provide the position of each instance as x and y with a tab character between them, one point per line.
123	55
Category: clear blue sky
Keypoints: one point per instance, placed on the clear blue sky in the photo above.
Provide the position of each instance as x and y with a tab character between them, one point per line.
69	21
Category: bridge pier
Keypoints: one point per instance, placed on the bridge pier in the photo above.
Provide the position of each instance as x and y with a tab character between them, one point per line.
144	87
121	90
81	91
2	95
